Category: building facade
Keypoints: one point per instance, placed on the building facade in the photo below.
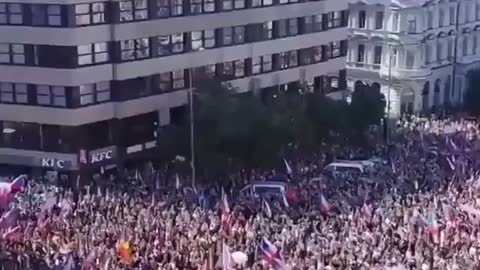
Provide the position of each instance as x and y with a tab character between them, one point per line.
417	52
88	83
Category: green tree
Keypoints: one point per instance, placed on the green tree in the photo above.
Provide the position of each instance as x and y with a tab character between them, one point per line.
367	107
472	94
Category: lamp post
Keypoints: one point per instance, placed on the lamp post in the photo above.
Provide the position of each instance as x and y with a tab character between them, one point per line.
192	128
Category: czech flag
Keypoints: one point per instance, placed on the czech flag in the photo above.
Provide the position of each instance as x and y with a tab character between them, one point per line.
270	254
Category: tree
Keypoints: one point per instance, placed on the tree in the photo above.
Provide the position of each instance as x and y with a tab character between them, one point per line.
472	94
367	107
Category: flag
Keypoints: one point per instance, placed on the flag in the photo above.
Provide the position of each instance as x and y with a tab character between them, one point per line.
285	200
125	252
266	208
324	205
450	163
89	260
225	205
9	218
367	211
70	264
226	257
157	180
17	184
288	168
432	227
270	254
177	182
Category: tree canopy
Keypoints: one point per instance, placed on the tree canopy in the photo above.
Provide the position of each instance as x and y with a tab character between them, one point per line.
472	94
246	129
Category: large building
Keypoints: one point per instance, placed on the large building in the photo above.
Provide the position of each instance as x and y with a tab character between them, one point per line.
88	83
417	52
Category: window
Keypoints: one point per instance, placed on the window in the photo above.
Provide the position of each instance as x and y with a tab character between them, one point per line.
133	10
475	45
429	19
282	28
477	11
165	82
92	54
234	69
465	46
292	26
394	57
441	17
313	24
287	1
377	56
311	55
167	8
51	95
288	59
262	64
202	6
335	19
362	19
410	59
267	30
379	20
452	15
395	21
50	15
412	24
467	8
261	3
233	35
178	79
203	40
11	13
12	53
336	49
361	53
428	54
13	92
94	93
170	44
135	49
439	51
233	4
88	14
450	49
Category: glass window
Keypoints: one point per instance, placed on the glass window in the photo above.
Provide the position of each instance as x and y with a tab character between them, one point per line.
335	19
293	26
87	14
135	49
54	15
227	36
43	95
379	20
86	94
452	15
133	10
103	91
178	78
239	67
430	19
260	3
233	4
165	81
441	17
6	92
410	59
267	30
59	98
283	60
395	21
336	49
362	19
281	28
377	58
361	53
202	6
228	69
11	13
477	11
12	53
293	59
475	45
92	53
465	46
203	39
170	44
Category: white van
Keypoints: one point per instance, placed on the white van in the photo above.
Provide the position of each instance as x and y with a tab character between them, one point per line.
347	165
266	187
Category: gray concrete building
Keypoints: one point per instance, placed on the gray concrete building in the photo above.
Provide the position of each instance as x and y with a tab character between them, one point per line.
85	83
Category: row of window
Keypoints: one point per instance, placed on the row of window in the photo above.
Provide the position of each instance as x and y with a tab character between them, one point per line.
119	11
60	96
136	49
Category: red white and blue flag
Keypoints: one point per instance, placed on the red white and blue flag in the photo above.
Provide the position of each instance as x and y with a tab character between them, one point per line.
270	255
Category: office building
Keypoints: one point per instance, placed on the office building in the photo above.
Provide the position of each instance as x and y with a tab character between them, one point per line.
88	83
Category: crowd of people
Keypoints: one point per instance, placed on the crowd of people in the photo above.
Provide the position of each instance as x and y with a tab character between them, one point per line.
417	208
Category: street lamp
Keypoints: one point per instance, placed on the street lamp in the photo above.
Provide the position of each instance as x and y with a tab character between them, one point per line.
192	127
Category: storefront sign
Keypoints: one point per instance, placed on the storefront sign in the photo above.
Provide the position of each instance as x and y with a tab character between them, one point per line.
104	154
53	163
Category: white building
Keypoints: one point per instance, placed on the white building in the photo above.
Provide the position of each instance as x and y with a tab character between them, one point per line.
431	45
85	83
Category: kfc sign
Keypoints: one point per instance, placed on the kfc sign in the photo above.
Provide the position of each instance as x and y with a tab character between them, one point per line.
53	163
100	155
